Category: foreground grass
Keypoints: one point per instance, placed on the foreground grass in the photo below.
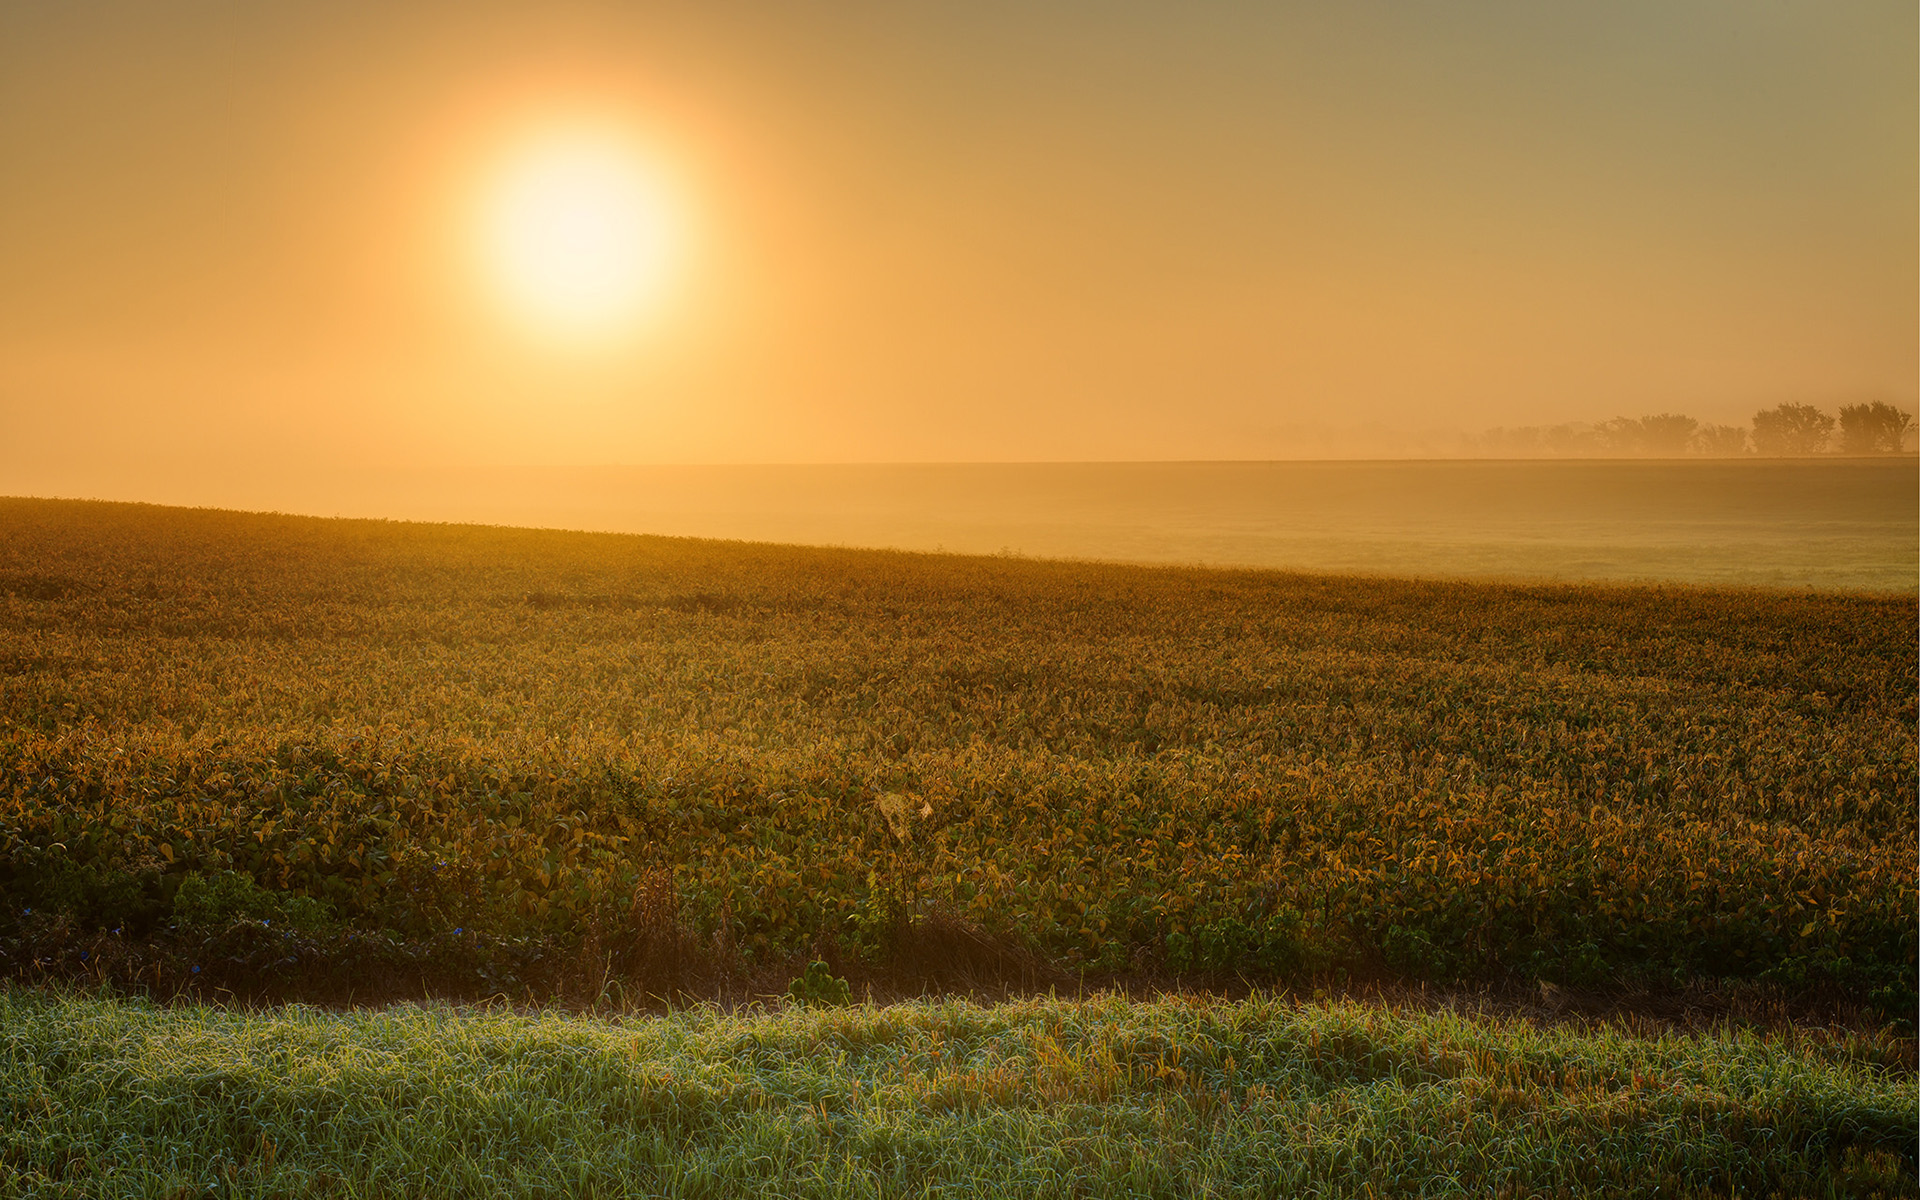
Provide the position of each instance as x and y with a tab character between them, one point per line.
104	1097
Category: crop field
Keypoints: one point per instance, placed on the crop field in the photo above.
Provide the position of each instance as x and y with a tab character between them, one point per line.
287	757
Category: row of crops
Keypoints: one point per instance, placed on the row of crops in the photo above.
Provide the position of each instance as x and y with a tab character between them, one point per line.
364	728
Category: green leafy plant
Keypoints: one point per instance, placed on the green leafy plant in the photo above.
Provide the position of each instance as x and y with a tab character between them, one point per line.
818	986
215	901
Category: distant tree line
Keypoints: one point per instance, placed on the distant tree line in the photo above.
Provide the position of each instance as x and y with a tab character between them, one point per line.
1785	430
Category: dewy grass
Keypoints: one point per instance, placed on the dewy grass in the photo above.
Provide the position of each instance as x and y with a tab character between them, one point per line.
105	1097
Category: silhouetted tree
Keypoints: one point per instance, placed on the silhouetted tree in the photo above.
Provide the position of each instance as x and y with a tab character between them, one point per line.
1666	435
1876	428
1720	441
1621	436
1661	436
1790	429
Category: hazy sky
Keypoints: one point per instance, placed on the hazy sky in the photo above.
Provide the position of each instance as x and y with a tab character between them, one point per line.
244	232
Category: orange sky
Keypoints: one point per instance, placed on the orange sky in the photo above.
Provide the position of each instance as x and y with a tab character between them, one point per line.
237	232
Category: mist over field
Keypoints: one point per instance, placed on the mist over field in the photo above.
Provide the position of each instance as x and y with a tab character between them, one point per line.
1831	524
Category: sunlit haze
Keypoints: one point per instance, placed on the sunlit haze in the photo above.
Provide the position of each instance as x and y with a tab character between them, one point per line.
253	241
576	239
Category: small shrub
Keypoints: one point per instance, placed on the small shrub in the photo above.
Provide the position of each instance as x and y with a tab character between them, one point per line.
819	986
1279	945
219	900
1412	951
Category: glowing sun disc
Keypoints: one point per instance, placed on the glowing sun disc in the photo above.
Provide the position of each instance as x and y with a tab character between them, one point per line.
577	236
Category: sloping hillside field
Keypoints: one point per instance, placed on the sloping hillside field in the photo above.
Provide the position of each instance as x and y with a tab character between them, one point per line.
294	757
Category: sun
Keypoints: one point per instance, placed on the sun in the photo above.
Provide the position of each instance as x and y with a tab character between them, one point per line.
577	235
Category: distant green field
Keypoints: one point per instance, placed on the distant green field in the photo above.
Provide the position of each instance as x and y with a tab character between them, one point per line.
1825	523
1040	1098
293	757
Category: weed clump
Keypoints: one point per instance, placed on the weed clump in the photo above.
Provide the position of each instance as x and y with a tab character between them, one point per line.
819	986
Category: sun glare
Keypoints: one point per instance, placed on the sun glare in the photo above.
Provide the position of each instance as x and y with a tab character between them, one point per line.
577	236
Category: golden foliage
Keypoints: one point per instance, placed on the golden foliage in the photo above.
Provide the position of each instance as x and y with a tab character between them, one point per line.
431	727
